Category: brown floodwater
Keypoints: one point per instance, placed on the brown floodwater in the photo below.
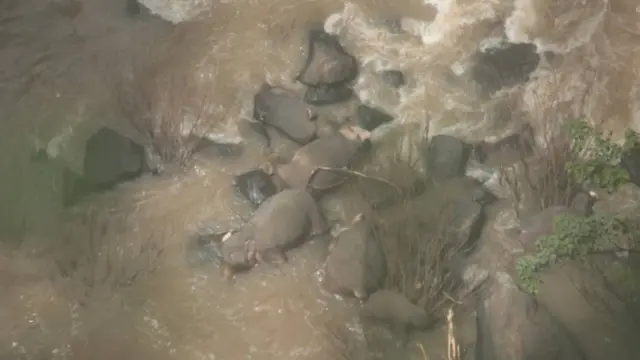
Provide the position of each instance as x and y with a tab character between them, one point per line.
110	279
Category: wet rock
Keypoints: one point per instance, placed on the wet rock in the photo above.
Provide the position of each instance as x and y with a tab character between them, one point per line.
110	159
630	161
277	108
327	95
511	325
213	149
255	186
473	277
467	220
327	64
356	262
445	157
394	309
506	151
369	118
393	78
504	66
335	151
281	222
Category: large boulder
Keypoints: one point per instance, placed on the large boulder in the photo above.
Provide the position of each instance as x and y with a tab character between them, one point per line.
370	118
504	66
511	325
110	158
327	64
445	157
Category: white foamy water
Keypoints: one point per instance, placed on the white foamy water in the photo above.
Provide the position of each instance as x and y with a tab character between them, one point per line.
179	312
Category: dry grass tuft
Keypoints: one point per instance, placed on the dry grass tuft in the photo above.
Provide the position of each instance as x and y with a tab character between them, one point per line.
168	110
416	235
420	255
541	180
93	260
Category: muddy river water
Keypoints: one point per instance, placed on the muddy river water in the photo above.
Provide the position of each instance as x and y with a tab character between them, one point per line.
132	293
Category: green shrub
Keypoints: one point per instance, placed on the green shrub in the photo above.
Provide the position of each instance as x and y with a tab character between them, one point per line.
573	237
598	157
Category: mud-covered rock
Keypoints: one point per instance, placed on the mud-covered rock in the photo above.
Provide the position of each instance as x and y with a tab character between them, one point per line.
356	264
327	95
504	66
396	310
255	186
280	223
393	78
511	325
445	157
333	151
278	108
327	64
370	118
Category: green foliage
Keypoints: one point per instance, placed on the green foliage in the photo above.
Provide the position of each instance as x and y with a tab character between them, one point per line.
573	237
597	158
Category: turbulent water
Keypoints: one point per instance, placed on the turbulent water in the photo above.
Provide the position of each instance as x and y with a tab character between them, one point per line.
55	69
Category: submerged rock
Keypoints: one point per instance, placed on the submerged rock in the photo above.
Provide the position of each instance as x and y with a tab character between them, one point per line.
393	78
327	64
326	95
255	186
504	66
277	108
445	157
370	118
